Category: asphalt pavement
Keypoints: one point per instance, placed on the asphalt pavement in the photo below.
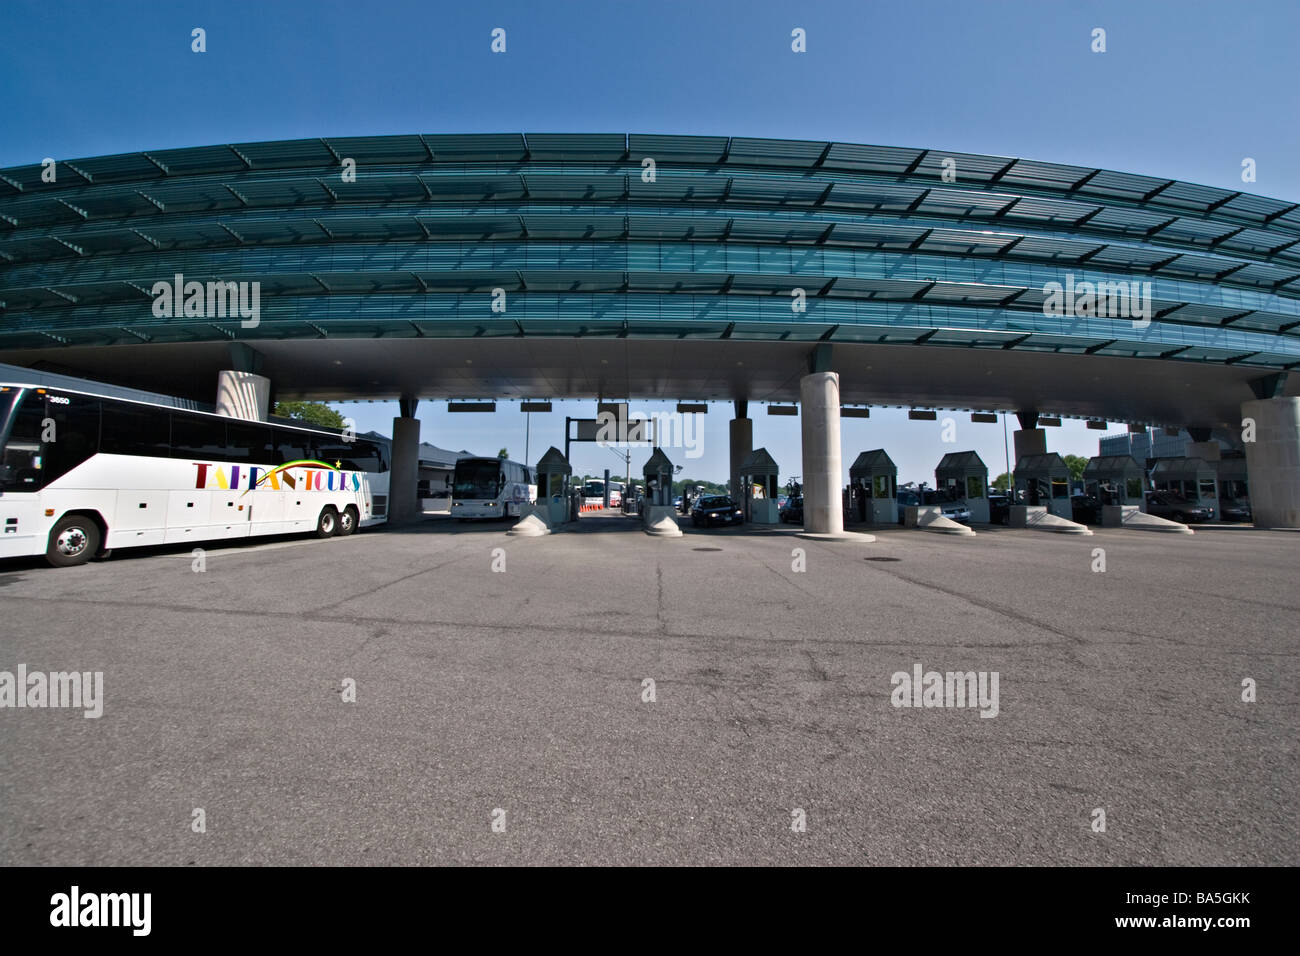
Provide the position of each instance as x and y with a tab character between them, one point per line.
519	697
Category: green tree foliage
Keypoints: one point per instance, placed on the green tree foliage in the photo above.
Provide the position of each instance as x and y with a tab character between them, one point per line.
1076	464
1002	482
503	453
314	413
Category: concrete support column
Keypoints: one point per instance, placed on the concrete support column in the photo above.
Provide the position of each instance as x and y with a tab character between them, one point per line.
819	418
742	443
403	478
1029	441
1273	461
243	395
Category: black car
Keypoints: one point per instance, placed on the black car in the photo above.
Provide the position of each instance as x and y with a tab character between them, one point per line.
716	509
793	510
1230	509
1166	504
1085	509
999	509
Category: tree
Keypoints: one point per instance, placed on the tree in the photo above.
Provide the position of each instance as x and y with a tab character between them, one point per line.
314	413
503	453
1076	464
1002	482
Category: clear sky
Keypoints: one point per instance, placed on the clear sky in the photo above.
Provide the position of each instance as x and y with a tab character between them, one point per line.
1185	89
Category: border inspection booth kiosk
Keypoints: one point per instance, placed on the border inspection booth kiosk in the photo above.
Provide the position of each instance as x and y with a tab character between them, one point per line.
1195	479
1233	483
554	504
658	515
1117	482
874	479
553	476
963	476
758	473
1044	481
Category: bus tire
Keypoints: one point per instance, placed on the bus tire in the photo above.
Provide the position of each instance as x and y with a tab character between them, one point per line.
348	521
327	525
73	541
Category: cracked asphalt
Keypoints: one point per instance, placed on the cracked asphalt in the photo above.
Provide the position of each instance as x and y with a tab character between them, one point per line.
522	692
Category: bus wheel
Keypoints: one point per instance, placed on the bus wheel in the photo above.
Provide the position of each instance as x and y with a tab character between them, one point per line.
72	541
348	520
327	525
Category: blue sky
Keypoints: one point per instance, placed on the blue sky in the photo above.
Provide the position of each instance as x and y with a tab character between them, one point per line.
1185	89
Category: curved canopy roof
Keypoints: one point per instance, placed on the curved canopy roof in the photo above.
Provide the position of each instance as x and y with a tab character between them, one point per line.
639	237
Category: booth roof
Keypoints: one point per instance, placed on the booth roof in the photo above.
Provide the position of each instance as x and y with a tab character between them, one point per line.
554	462
1112	465
759	462
869	462
1043	464
962	462
657	464
1181	468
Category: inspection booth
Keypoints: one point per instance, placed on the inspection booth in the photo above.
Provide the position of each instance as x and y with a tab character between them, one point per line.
1044	480
873	478
1193	478
1118	484
1115	480
1233	485
963	476
658	515
758	474
554	474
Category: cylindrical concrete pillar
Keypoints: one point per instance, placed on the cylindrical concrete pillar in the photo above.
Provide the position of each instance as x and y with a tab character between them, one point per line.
403	478
243	395
1273	461
819	419
742	443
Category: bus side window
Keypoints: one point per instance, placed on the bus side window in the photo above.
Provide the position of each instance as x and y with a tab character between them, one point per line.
128	429
198	438
248	442
289	446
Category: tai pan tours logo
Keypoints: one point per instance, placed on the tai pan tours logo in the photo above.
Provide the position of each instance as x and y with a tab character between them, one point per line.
302	475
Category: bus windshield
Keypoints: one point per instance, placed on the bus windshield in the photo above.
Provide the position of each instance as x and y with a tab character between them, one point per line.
20	468
476	478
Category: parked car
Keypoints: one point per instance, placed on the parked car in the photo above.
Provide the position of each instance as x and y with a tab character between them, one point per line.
906	499
952	510
716	509
1166	504
1232	509
793	510
1085	509
999	509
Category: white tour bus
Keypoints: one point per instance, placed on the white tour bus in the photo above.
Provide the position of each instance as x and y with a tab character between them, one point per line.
593	492
82	474
491	488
